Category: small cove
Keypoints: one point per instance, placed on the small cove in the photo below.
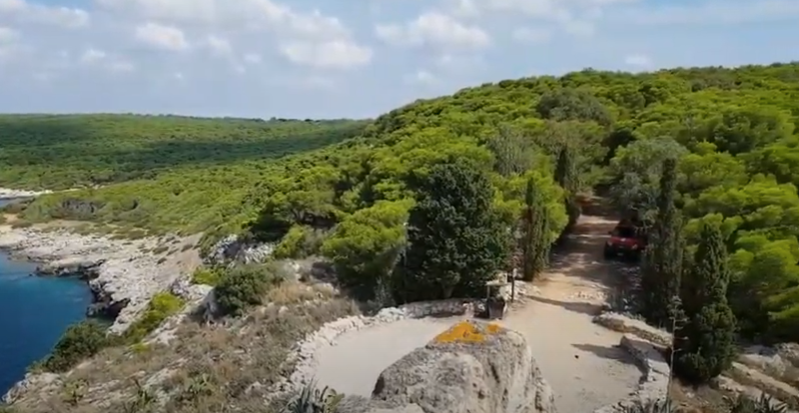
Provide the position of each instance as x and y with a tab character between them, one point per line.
34	312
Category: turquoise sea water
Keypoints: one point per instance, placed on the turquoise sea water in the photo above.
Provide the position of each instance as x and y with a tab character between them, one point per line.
34	312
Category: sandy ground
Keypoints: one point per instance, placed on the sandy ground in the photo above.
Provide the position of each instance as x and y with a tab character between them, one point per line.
580	359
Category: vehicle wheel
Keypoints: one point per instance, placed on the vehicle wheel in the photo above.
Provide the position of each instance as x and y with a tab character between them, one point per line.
608	253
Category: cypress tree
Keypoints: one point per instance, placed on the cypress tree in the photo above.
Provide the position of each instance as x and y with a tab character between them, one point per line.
704	344
662	267
566	177
535	243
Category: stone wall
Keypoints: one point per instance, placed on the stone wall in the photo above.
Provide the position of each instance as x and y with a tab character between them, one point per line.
638	341
305	351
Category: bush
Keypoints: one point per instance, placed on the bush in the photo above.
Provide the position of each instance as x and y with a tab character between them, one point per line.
245	286
161	306
763	404
207	276
313	400
299	242
80	341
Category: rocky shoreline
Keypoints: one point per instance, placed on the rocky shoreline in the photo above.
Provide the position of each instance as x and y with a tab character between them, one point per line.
6	193
123	275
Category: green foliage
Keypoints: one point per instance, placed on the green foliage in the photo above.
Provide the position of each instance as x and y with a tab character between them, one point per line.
313	400
650	406
732	131
299	242
704	344
763	404
662	267
80	341
566	175
245	286
161	306
457	240
159	173
207	276
365	245
535	239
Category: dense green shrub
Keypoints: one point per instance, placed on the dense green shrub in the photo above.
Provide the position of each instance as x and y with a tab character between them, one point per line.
207	275
364	246
245	286
705	342
80	341
161	306
300	241
457	240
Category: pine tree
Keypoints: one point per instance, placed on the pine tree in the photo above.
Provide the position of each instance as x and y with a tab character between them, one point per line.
457	240
662	267
535	242
706	340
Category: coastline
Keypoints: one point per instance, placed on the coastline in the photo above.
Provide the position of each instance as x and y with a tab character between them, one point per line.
6	193
122	274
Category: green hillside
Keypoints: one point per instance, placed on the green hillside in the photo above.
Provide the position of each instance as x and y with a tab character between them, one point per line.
158	173
72	151
734	131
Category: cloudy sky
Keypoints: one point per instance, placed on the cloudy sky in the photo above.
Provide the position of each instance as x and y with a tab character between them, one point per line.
351	58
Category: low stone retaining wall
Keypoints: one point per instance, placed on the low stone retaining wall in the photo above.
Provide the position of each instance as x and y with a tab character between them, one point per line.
624	324
638	341
327	335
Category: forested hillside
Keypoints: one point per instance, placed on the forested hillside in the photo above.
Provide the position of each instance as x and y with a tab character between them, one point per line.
733	132
160	173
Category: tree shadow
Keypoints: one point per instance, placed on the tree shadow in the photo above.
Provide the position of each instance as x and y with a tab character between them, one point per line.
591	309
615	353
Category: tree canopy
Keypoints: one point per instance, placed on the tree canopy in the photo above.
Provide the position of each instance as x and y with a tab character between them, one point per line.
732	132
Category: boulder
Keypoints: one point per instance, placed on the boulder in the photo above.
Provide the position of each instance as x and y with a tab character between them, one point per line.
473	367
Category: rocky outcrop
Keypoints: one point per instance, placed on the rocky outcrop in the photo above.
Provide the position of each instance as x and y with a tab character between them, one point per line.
234	249
472	367
122	274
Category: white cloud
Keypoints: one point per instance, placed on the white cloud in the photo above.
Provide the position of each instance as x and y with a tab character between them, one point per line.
336	54
233	47
161	36
435	29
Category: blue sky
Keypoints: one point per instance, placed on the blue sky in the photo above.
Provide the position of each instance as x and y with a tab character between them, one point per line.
355	58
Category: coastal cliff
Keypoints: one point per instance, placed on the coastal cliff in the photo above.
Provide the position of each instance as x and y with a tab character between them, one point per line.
122	274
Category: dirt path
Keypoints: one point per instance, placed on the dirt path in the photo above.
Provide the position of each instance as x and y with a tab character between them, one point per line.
580	359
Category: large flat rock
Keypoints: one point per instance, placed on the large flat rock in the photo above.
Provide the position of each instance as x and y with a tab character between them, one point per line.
472	367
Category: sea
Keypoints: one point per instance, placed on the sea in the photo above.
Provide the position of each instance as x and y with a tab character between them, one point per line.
34	312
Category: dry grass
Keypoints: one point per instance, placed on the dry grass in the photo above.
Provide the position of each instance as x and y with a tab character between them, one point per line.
206	368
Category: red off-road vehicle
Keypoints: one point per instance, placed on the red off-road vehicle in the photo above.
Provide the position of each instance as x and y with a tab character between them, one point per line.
627	240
